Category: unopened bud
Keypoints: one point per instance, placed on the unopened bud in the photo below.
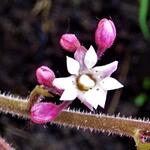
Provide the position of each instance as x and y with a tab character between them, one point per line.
43	112
105	35
45	75
69	42
46	112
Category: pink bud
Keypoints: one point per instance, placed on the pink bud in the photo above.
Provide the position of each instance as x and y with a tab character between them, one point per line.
105	35
69	42
45	112
45	75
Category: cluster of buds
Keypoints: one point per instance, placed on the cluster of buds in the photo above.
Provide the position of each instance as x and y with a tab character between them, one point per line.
87	83
104	37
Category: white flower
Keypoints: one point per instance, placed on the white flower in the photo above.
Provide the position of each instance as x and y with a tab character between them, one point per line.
88	84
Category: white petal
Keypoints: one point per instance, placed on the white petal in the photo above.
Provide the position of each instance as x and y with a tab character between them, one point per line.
73	66
106	70
96	97
63	83
81	97
109	83
90	58
69	94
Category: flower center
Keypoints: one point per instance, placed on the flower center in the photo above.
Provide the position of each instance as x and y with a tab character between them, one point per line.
85	82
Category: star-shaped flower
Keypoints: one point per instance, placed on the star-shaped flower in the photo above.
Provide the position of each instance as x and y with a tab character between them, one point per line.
88	84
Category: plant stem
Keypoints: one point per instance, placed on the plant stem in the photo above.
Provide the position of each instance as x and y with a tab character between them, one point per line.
101	122
138	129
13	105
16	105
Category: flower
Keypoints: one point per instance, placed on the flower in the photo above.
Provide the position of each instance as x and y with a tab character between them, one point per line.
69	42
88	84
45	75
105	35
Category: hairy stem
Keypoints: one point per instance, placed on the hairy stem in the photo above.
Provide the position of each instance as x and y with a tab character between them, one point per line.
138	129
101	122
106	123
16	105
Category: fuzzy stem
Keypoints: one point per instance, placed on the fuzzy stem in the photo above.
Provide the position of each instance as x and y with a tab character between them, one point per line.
101	122
97	122
19	106
14	105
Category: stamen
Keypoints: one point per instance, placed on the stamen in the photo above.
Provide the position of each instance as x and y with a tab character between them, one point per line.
85	82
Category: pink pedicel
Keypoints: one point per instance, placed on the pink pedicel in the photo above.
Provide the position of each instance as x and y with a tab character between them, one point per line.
105	35
69	42
46	112
45	76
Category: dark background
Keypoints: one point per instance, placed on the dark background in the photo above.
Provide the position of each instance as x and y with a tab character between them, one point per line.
29	37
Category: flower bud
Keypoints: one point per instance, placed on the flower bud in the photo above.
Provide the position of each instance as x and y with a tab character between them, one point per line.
45	75
105	35
43	112
69	42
